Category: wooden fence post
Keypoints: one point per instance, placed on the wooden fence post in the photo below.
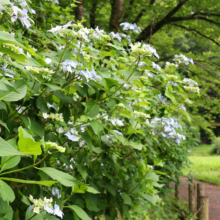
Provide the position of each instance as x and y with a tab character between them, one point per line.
203	213
192	198
200	201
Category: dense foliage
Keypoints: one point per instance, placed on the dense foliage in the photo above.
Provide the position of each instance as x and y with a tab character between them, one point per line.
90	124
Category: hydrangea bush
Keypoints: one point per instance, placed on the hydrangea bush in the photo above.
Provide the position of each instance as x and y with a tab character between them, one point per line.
90	124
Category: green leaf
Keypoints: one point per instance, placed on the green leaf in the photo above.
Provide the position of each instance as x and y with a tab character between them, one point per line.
18	57
92	190
66	99
152	176
97	127
92	108
88	141
53	87
12	96
6	193
6	212
3	124
80	212
136	144
82	170
64	178
168	93
80	189
41	104
7	150
127	199
27	145
48	183
127	106
25	200
9	162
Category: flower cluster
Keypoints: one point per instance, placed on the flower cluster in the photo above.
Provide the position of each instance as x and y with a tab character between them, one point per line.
72	135
56	116
133	27
183	59
52	145
139	49
192	86
45	205
169	128
45	72
141	114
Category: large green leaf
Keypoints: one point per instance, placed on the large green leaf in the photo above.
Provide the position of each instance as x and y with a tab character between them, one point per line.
7	150
6	38
136	144
80	212
92	108
6	212
12	96
64	178
18	57
97	127
48	183
9	162
27	144
88	141
6	193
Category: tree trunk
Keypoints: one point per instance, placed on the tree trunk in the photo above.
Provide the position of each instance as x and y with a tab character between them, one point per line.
116	14
79	10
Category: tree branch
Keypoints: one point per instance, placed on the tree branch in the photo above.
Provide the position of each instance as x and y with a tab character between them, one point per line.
142	12
197	32
146	32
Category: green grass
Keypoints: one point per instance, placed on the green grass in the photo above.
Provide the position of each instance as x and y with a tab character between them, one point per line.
204	167
202	150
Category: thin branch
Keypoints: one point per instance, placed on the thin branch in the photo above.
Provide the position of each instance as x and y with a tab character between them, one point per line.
197	32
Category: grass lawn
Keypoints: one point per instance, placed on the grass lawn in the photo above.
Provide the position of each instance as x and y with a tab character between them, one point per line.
204	167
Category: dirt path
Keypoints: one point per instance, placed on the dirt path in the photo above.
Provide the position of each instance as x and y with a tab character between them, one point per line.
212	191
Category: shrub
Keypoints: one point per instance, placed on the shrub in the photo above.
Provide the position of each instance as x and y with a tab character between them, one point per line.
216	147
89	124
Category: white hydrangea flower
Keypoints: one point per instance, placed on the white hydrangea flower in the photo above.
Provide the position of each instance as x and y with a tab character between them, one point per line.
133	27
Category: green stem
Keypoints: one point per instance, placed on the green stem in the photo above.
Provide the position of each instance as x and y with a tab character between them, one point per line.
13	171
68	198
